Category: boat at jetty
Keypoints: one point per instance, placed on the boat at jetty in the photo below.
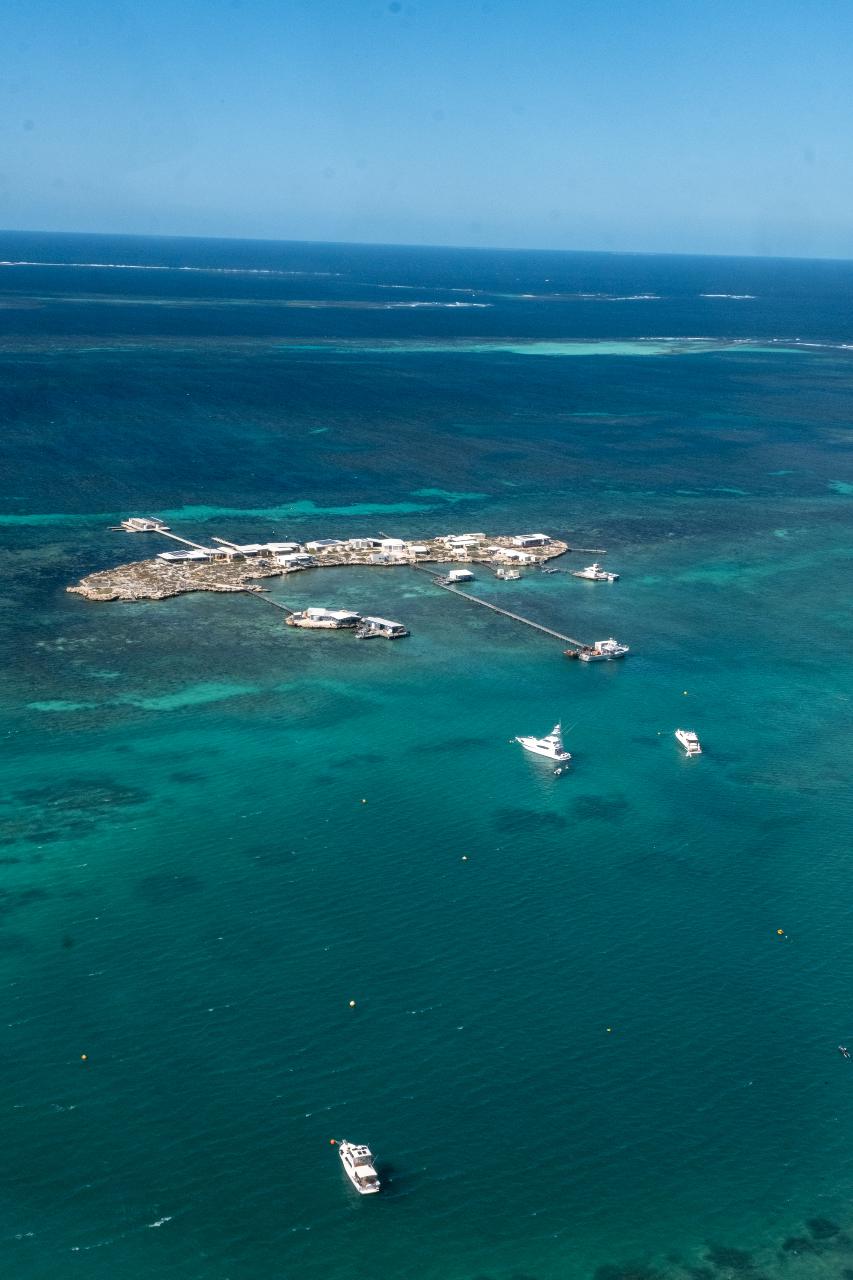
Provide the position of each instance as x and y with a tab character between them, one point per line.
358	1166
601	651
370	627
689	741
551	746
595	573
507	575
326	619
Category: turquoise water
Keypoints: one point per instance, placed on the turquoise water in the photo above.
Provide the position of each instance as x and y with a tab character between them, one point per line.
217	832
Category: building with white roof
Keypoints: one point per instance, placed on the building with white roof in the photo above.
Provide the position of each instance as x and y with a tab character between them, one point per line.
515	555
295	560
198	553
531	540
364	544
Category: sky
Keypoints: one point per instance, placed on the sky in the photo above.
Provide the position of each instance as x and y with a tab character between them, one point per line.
686	126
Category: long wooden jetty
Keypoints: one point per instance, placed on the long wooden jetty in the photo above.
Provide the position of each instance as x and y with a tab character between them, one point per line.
507	613
260	595
516	617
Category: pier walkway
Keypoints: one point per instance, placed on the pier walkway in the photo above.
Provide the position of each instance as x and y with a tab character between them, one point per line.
516	617
260	595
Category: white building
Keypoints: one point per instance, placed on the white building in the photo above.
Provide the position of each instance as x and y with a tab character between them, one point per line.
144	524
336	617
324	544
514	555
460	575
365	544
393	545
531	540
295	560
173	557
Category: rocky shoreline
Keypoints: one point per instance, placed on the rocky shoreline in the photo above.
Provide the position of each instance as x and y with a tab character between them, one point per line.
157	580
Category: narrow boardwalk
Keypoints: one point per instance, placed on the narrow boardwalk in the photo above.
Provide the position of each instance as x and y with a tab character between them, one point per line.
516	617
259	595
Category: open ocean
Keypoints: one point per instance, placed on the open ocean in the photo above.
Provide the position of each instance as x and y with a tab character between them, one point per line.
581	1046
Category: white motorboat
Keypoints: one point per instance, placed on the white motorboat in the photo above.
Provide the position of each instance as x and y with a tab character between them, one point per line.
358	1166
551	746
603	651
689	741
595	573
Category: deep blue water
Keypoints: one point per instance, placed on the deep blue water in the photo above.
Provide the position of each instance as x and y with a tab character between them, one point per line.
216	832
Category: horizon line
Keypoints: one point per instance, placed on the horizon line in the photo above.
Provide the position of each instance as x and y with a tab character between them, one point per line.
405	244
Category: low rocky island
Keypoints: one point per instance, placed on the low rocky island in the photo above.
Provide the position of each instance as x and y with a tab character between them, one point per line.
157	580
229	566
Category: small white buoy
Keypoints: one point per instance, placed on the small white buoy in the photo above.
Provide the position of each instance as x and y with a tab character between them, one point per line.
352	1004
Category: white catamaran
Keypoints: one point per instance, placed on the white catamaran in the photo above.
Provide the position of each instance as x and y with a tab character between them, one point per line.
551	746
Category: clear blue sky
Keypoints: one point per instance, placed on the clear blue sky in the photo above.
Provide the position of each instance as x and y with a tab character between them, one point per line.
720	126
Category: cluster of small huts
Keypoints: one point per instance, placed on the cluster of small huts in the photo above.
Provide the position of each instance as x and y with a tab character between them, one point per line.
520	549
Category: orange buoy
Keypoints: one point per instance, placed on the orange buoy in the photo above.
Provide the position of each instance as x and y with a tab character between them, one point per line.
781	932
333	1141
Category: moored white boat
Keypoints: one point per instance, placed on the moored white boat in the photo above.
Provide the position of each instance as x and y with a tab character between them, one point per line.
595	573
689	741
551	746
358	1166
603	651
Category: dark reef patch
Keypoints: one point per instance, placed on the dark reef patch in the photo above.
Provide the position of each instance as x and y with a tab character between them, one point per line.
823	1228
798	1244
18	899
519	820
724	1258
66	810
603	808
81	795
186	775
